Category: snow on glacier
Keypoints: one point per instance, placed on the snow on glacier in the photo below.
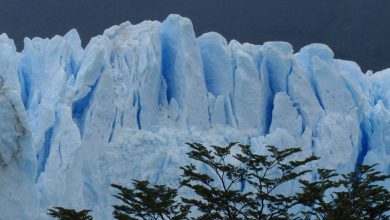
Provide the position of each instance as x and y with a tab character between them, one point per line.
75	120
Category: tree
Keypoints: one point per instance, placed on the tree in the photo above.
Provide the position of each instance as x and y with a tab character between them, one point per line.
232	183
266	174
352	196
224	201
69	214
145	202
222	196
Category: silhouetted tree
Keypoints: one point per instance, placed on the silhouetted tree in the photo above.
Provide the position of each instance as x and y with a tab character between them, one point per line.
232	182
221	196
356	195
148	202
266	174
69	214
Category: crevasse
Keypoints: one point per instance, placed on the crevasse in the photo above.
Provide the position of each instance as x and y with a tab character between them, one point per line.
75	120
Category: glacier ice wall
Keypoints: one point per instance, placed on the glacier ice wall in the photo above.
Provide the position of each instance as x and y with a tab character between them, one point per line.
75	120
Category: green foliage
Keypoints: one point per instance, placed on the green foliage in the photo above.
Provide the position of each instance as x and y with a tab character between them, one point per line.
246	185
268	172
69	214
221	196
223	201
145	202
352	196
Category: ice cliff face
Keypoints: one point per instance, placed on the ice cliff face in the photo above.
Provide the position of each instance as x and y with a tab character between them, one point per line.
75	120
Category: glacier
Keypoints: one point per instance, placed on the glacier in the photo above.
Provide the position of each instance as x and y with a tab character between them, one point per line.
74	120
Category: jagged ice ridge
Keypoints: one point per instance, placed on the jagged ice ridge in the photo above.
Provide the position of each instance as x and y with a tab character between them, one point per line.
75	120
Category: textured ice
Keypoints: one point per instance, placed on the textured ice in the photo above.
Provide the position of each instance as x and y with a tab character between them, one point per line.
74	120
